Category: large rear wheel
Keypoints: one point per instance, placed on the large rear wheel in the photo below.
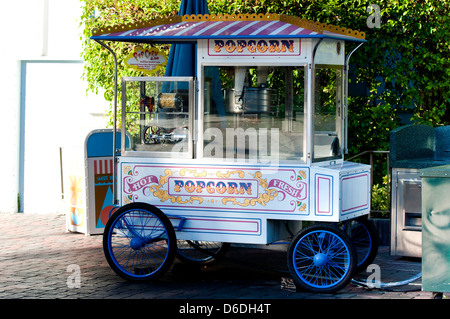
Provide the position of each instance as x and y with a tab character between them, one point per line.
364	237
139	242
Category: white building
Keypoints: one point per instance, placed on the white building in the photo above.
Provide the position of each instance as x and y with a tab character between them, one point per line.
45	108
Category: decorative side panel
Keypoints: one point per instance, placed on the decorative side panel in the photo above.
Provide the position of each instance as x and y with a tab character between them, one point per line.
355	193
268	191
324	195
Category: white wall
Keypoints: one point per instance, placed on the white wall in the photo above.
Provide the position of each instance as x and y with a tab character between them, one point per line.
44	104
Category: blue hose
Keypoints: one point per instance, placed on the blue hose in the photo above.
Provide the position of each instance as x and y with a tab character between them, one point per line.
378	284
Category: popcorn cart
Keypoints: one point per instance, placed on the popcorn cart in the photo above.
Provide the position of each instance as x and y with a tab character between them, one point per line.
243	151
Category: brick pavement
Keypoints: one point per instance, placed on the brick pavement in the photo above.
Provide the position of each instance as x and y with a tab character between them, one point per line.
36	253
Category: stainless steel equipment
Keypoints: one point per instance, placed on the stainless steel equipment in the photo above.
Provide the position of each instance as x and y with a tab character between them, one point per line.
232	104
253	100
406	221
260	100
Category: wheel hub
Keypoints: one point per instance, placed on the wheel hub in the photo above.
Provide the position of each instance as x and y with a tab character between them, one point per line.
320	259
136	243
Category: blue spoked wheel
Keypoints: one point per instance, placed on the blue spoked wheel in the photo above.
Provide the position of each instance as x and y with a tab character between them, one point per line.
321	258
139	242
364	237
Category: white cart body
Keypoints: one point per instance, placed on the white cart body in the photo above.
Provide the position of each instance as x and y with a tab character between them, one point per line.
239	199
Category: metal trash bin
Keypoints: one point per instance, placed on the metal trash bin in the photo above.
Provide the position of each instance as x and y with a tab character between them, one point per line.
436	228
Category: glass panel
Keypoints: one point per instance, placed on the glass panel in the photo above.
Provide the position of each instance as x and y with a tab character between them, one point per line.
254	113
157	115
327	118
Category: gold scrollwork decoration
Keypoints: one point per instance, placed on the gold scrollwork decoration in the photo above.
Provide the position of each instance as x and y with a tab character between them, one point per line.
241	174
194	172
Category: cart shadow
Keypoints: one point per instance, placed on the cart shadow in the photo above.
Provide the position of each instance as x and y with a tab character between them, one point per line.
238	265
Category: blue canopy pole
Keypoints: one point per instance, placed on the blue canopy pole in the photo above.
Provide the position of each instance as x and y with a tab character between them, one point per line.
182	59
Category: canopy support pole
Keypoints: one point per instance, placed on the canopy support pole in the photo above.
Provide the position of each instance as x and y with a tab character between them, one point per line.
311	78
346	66
114	191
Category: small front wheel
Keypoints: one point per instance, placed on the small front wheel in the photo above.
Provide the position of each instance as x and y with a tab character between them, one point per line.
321	258
139	242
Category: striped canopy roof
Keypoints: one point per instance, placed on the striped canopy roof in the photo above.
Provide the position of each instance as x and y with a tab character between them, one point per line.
190	28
